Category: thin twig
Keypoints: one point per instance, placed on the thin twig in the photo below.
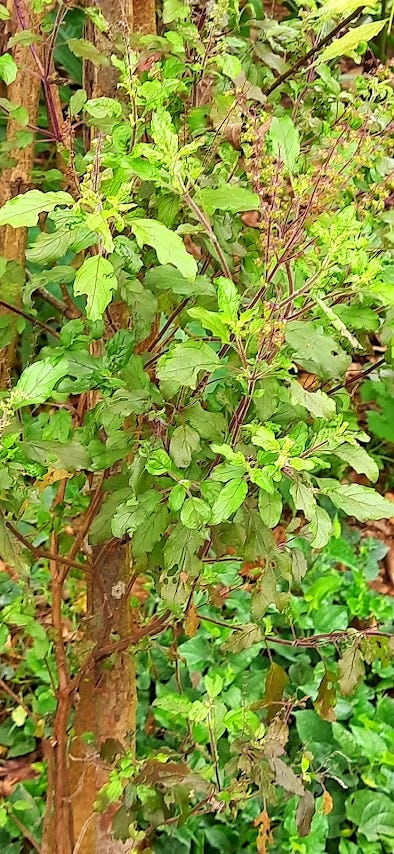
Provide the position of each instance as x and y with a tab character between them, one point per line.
311	53
37	552
14	310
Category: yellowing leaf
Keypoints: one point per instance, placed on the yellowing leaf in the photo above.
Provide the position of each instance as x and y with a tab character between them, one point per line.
351	670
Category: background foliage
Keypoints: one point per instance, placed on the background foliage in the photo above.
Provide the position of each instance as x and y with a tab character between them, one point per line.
204	325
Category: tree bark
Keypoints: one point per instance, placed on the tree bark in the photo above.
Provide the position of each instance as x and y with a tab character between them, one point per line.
108	697
25	92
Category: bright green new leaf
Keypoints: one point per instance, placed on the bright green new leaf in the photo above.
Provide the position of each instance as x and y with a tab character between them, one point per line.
350	42
168	245
213	684
229	500
19	715
228	198
183	365
229	65
23	211
355	500
335	8
159	462
8	68
38	381
285	140
95	278
228	298
211	320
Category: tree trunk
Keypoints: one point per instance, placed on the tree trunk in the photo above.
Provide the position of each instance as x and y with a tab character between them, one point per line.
25	92
108	697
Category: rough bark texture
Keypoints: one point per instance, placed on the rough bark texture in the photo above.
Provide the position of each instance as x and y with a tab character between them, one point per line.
107	703
144	16
108	698
25	92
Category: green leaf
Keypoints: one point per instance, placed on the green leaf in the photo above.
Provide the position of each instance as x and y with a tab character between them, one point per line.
181	550
285	140
38	381
183	365
349	42
195	513
335	8
174	10
351	669
25	38
213	685
230	498
270	508
372	813
357	457
8	68
355	500
70	456
184	441
159	462
19	715
303	498
228	298
84	49
229	65
319	404
320	528
176	497
168	246
229	198
209	425
315	350
77	101
165	277
211	320
4	14
103	108
95	278
23	211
